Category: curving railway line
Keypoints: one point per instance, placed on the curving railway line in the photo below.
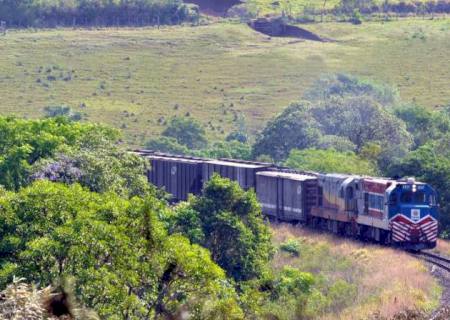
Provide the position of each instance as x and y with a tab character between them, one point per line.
434	259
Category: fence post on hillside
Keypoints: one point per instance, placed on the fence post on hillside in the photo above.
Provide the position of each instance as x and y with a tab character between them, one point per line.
3	28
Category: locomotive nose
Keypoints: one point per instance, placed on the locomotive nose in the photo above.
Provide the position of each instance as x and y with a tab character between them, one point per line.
415	212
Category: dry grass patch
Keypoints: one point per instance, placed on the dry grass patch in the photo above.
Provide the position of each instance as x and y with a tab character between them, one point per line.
356	280
443	247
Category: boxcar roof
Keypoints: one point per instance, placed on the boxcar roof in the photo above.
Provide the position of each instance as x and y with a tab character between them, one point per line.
172	159
287	175
336	175
235	164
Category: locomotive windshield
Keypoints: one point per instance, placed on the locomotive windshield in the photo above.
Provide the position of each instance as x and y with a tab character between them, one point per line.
418	197
415	197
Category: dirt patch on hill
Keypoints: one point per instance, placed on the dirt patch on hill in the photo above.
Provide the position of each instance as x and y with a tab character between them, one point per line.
277	27
214	7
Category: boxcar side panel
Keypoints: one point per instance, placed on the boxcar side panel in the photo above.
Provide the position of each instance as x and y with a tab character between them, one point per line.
267	194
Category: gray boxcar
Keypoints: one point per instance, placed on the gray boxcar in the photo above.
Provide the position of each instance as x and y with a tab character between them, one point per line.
178	176
286	196
242	172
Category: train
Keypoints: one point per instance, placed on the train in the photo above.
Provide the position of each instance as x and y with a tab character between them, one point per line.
402	213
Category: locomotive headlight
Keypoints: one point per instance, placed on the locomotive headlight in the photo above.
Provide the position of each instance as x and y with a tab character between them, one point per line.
414	188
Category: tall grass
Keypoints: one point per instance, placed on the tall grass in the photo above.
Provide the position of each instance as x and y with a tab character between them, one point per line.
360	280
443	247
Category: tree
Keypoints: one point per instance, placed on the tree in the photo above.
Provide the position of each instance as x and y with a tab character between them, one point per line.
24	142
106	169
232	228
295	127
60	150
124	263
329	161
339	123
167	145
424	124
29	13
362	120
187	132
339	143
237	136
343	85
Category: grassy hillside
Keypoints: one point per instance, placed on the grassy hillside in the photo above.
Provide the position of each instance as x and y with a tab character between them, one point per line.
136	78
356	280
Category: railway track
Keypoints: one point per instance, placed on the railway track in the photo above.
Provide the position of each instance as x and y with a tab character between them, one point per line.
438	261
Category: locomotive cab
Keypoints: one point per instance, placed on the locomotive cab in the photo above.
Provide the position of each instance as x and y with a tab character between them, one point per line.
413	213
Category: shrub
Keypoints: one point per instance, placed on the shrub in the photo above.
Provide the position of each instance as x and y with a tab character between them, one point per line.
329	161
291	246
62	111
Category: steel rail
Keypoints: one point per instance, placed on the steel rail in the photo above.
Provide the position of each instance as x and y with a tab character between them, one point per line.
441	262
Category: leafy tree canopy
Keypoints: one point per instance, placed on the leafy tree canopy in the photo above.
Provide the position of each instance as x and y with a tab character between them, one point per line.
61	150
228	221
186	131
24	142
167	145
340	123
295	127
345	85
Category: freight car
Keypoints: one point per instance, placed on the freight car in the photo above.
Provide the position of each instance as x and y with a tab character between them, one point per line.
397	212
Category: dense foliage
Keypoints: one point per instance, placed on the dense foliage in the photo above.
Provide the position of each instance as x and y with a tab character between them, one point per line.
80	206
49	13
126	266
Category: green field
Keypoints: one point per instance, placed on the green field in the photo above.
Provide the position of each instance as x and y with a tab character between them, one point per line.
131	78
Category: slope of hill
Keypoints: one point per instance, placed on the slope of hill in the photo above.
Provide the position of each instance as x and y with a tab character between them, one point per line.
136	78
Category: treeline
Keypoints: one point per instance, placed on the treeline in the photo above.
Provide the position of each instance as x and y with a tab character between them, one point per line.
398	7
50	13
344	10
